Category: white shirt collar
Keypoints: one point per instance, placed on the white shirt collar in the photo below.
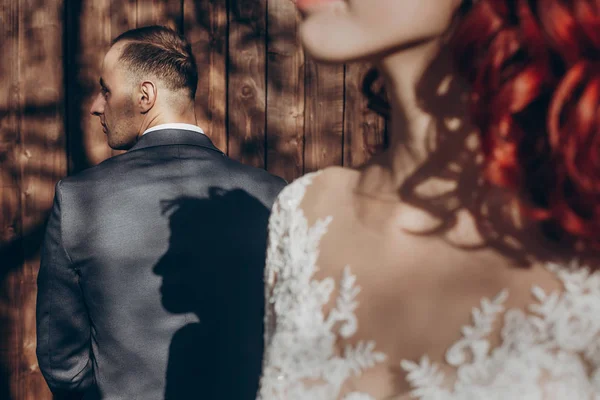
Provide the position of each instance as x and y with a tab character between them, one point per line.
178	125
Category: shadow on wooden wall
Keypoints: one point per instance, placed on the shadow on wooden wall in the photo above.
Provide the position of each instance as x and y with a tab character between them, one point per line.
31	161
259	99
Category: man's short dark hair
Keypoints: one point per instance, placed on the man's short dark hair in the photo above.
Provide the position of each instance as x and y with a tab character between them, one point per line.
162	52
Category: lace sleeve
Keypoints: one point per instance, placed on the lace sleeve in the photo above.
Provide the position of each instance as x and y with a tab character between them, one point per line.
278	227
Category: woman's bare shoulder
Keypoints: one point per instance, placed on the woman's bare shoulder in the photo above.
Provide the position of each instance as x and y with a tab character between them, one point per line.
330	188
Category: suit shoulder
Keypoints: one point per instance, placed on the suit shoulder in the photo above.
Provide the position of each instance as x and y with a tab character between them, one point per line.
256	181
258	175
96	172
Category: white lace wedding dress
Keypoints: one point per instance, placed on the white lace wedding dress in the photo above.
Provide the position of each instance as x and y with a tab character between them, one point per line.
551	351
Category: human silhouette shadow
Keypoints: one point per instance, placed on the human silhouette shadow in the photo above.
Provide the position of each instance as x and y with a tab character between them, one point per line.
214	269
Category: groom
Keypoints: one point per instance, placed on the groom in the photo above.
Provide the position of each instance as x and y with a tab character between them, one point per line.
150	280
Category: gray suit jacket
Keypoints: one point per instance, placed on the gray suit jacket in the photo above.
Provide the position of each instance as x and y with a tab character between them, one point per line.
150	285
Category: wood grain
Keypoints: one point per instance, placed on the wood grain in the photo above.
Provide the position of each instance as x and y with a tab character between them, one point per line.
205	27
10	205
324	123
87	33
247	91
42	161
285	92
160	12
123	17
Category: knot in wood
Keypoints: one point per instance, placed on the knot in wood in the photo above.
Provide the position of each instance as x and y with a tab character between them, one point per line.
247	91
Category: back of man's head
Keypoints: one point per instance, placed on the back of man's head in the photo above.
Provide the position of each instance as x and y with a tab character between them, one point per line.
161	52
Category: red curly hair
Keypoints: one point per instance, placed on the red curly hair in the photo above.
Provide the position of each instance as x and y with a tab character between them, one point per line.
534	67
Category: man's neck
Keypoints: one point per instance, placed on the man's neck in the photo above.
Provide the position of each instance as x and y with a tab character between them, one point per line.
167	118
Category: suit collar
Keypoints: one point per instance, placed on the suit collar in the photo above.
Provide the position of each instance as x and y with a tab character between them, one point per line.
169	137
175	125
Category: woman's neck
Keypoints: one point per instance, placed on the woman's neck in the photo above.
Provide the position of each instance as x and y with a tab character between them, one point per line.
421	88
434	162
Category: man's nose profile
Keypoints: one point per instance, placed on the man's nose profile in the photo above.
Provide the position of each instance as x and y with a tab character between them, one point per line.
96	108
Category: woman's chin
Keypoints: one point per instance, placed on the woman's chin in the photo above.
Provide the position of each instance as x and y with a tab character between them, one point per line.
324	48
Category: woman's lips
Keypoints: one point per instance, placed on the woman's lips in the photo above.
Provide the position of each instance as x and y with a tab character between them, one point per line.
305	5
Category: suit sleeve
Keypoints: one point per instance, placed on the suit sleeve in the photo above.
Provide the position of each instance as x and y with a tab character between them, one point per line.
63	324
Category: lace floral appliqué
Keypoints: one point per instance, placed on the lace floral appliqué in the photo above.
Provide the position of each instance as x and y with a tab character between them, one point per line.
550	351
301	360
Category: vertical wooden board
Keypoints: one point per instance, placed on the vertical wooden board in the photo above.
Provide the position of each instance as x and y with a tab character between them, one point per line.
285	91
324	120
43	162
123	17
10	222
91	26
205	26
364	129
32	384
43	140
87	31
9	139
160	12
246	92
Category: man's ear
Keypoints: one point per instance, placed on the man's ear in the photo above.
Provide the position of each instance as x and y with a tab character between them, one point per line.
147	96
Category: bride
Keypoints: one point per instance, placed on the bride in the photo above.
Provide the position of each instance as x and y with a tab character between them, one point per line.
459	262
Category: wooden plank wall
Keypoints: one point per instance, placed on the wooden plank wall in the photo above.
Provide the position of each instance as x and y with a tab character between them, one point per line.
33	159
259	98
